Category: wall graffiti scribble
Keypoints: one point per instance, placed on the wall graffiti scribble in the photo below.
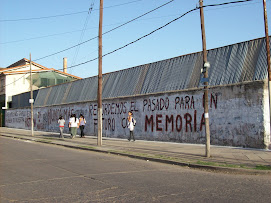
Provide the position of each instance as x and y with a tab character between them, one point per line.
172	116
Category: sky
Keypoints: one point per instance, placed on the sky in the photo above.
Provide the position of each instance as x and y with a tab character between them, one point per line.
43	28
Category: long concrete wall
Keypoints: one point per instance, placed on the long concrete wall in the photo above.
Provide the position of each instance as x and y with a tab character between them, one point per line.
239	116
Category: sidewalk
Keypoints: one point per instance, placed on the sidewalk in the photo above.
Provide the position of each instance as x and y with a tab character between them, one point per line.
227	159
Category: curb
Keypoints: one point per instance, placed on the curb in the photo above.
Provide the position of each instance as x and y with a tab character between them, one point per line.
239	171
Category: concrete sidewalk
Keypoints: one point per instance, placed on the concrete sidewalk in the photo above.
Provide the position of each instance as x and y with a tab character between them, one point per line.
227	159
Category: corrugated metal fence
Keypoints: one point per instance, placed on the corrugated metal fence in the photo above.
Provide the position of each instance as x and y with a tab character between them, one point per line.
235	63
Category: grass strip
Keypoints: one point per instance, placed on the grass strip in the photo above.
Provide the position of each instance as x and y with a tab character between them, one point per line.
46	141
258	167
86	147
262	167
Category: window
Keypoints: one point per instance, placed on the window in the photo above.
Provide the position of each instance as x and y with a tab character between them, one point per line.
44	82
2	84
9	105
51	82
59	81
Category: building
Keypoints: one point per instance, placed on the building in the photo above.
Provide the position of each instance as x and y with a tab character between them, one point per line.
15	79
166	98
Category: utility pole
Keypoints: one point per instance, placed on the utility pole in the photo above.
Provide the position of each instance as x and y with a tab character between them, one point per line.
268	56
31	101
100	79
206	65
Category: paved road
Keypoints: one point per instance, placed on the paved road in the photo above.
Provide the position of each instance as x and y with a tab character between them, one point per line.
35	172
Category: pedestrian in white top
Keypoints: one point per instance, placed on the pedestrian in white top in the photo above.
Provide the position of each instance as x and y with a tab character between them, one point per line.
131	125
73	125
61	123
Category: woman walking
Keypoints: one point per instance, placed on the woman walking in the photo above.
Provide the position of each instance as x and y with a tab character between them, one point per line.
61	123
131	125
73	125
82	122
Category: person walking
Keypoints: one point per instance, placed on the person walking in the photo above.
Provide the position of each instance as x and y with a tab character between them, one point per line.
61	123
82	123
131	125
73	125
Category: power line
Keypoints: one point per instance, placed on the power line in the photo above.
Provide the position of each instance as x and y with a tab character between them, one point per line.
225	3
25	75
166	16
236	5
21	40
192	10
61	15
211	5
15	80
97	37
83	32
104	33
44	17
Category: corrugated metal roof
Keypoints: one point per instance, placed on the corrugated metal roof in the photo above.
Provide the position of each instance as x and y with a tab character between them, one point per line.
235	63
22	100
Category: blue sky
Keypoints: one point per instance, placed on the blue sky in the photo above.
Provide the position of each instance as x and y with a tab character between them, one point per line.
224	25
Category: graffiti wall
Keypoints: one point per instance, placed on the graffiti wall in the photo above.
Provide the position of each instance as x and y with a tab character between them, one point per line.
236	114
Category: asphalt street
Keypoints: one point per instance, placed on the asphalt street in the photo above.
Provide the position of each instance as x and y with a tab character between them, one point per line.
36	172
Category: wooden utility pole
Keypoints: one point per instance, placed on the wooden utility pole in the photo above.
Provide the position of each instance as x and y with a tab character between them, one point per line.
206	65
268	57
31	101
100	79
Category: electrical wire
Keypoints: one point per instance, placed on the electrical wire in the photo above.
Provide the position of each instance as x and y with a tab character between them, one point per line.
24	76
14	81
211	9
56	34
82	33
105	32
211	5
192	10
21	40
61	15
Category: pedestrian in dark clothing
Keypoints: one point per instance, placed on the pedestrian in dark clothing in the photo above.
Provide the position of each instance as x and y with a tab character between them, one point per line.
82	123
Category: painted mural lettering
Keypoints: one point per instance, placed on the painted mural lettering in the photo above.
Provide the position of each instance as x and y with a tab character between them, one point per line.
186	102
156	104
67	112
213	100
108	124
18	120
53	115
133	106
168	114
167	123
158	122
179	123
114	108
93	109
149	121
124	123
28	122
